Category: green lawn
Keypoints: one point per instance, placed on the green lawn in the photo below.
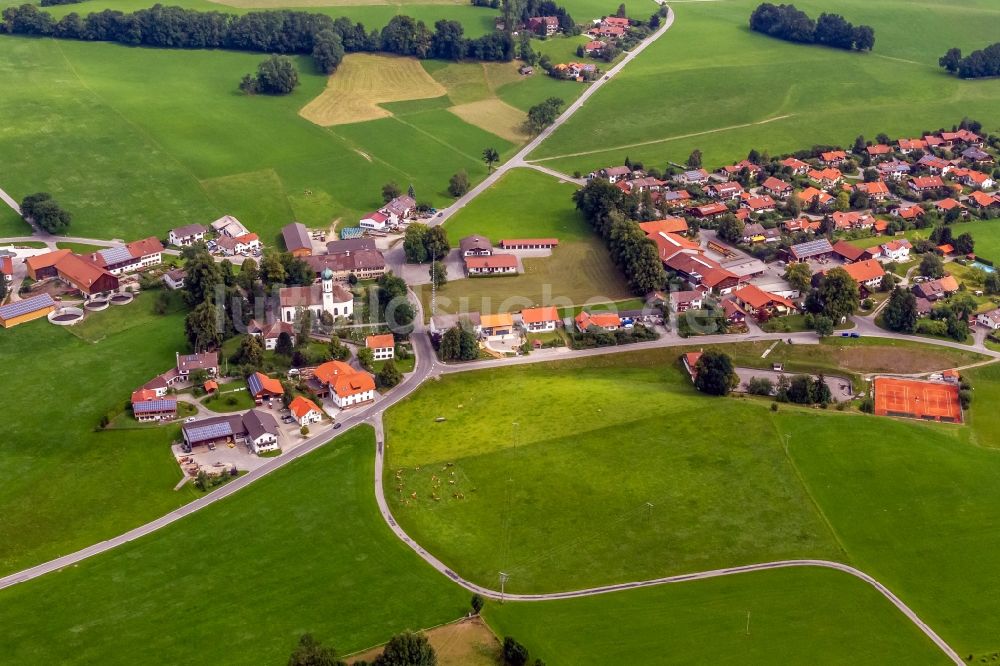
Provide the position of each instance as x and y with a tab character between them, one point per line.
523	204
303	550
732	90
578	272
11	224
562	500
796	616
231	397
66	486
81	248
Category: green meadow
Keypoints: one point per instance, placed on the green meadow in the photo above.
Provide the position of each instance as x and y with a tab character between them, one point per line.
66	486
303	550
786	616
710	83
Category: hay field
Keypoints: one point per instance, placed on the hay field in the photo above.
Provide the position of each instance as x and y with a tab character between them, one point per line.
362	82
299	4
494	116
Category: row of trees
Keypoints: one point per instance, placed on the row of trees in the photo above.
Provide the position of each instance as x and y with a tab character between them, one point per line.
791	24
46	212
277	31
978	64
405	649
609	212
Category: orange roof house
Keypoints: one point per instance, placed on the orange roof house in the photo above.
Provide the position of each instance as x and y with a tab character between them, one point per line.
762	304
544	318
380	341
305	410
346	385
866	273
261	386
668	225
606	320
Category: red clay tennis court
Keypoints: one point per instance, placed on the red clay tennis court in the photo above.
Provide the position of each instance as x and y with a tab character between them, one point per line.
910	398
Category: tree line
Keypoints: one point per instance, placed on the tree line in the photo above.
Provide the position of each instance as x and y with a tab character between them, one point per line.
977	65
276	31
611	213
793	25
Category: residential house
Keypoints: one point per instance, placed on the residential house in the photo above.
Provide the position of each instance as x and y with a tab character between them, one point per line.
269	333
399	210
758	204
470	321
497	325
777	187
148	406
868	273
383	346
760	304
826	178
833	158
879	151
540	320
945	206
686	300
797	166
188	363
972	178
753	233
851	220
925	183
227	225
297	239
599	321
896	250
543	25
977	156
187	235
908	212
811	194
497	264
735	315
989	319
877	190
907	146
935	165
28	309
690	361
708	210
593	47
357	256
893	170
529	243
962	137
801	225
615	174
346	386
983	200
734	170
174	279
725	191
934	290
305	411
317	298
246	244
693	177
475	246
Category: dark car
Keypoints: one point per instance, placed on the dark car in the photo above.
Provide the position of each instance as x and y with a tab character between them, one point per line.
337	425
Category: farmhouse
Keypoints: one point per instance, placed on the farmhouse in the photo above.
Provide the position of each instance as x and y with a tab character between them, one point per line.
305	411
345	386
20	312
383	346
399	209
529	243
374	221
475	246
261	431
317	298
262	387
816	249
762	305
497	264
269	333
343	261
186	235
228	225
256	428
91	280
669	225
246	244
188	363
297	240
607	321
148	406
129	258
849	253
537	320
614	174
6	269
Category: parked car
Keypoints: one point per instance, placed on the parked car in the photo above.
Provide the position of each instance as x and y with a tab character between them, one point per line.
336	426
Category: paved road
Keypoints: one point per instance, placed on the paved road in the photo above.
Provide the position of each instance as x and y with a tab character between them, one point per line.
518	160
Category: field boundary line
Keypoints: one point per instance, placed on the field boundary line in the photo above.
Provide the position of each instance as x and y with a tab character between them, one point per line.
666	139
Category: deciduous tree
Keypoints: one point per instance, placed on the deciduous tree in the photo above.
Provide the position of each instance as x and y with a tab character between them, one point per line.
715	373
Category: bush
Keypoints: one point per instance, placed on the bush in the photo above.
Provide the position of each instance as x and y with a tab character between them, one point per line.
514	654
275	76
760	386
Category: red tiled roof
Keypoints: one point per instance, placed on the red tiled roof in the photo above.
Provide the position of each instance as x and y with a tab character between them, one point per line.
492	261
600	319
539	315
343	379
380	341
863	271
300	406
757	298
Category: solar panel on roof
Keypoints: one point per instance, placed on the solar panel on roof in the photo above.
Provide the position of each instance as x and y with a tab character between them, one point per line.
115	255
351	232
254	383
32	304
820	246
154	406
214	431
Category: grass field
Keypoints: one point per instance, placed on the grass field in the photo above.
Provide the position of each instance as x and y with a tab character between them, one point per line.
80	248
583	491
743	90
796	616
66	486
231	397
303	550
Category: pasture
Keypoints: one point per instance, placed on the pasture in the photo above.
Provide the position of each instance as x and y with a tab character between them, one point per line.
326	564
65	485
742	90
533	475
796	616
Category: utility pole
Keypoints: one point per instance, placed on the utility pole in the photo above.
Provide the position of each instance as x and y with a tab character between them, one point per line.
433	288
503	581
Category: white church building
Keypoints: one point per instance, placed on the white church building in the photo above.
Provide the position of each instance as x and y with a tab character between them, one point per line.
327	296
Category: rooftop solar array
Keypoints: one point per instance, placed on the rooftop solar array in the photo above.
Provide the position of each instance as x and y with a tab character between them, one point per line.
214	431
116	255
154	406
351	232
253	381
32	304
820	246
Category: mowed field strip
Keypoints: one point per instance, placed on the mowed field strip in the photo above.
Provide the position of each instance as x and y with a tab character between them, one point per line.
364	81
496	116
